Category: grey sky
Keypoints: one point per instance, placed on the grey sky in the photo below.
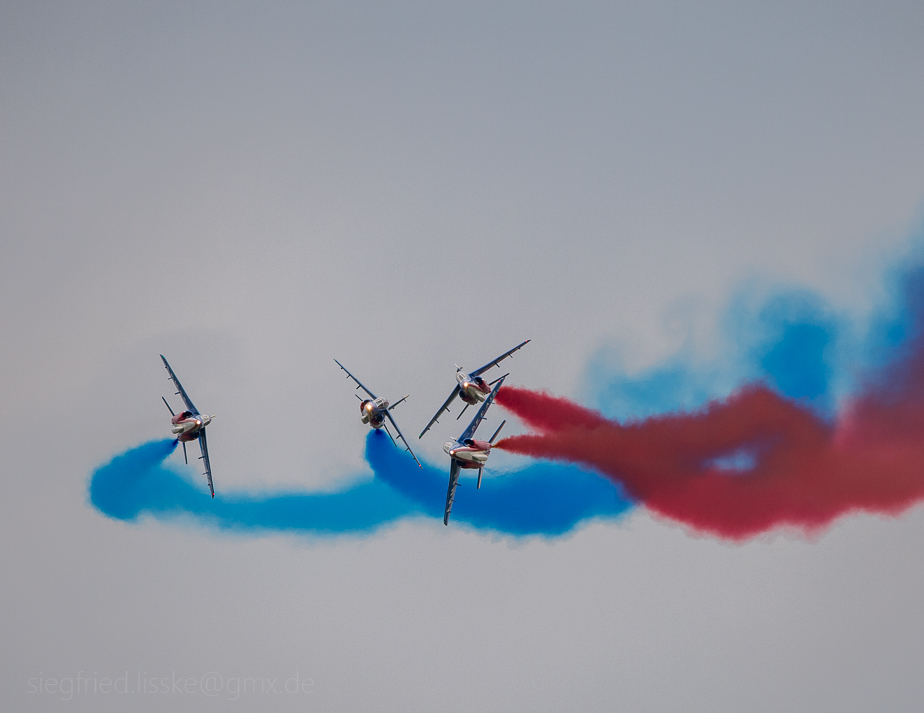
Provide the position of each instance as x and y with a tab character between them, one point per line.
255	190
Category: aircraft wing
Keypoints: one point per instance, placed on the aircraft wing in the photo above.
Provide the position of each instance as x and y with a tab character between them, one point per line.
403	439
479	372
360	386
204	446
455	392
479	417
451	493
179	388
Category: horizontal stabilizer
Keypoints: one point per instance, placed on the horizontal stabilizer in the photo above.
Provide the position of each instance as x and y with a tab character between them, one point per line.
397	402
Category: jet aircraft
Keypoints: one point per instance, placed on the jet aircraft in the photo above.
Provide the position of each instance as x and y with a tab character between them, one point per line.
190	425
374	411
471	388
466	452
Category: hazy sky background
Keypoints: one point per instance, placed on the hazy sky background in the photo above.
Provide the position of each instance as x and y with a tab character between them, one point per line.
254	190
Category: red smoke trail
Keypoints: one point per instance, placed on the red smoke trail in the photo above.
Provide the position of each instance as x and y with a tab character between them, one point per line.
805	472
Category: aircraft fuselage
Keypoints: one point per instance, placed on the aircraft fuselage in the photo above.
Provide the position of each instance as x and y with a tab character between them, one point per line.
470	453
372	412
187	426
472	390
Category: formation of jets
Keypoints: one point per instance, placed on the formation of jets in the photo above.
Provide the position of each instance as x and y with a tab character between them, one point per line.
464	451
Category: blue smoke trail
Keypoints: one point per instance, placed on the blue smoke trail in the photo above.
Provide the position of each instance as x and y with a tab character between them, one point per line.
791	343
796	349
138	482
544	499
